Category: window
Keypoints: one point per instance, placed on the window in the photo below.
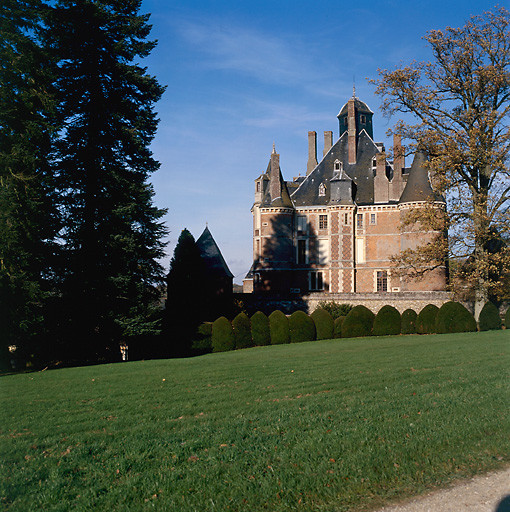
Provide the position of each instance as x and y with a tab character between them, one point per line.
373	218
301	223
382	281
360	250
338	165
363	119
301	252
322	251
322	189
258	186
374	163
359	221
316	280
346	218
257	249
323	222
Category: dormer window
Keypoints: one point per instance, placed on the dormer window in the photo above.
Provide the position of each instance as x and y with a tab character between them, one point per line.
374	162
338	165
363	119
258	186
322	189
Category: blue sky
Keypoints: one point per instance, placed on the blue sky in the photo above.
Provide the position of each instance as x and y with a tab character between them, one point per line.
242	75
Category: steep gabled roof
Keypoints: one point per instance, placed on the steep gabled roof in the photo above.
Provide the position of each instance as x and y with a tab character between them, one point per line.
212	255
418	186
361	173
282	199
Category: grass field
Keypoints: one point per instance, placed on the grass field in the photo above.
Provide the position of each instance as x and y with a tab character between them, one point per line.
323	426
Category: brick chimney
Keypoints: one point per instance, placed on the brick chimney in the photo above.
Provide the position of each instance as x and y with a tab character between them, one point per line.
397	183
274	176
381	183
351	130
328	142
312	152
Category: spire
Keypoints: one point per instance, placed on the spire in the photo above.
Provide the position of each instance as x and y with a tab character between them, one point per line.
274	150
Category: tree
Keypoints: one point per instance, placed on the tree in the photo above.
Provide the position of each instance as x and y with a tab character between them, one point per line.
185	300
111	235
28	219
461	100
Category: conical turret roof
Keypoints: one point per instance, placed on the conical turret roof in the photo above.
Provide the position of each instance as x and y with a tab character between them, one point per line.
418	186
211	254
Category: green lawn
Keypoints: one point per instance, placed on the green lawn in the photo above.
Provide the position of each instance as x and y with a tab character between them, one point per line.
331	425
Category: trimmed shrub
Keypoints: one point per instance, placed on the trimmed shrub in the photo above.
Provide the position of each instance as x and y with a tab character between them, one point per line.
507	319
358	322
454	317
409	321
242	331
203	339
387	322
489	319
334	309
222	335
338	326
426	320
324	324
279	328
301	327
260	329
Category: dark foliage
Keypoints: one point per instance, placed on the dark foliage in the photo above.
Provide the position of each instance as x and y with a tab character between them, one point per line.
301	327
260	329
454	317
222	335
507	319
387	322
489	319
409	321
184	301
202	342
335	309
111	236
324	324
358	322
426	320
338	326
279	328
242	331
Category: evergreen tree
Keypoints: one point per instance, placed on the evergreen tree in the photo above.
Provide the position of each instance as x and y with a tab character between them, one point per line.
28	221
112	232
185	297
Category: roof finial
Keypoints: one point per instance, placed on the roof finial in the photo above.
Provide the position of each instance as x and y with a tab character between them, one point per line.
353	86
274	150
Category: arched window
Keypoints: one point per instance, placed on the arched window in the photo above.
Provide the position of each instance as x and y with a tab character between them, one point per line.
322	189
338	165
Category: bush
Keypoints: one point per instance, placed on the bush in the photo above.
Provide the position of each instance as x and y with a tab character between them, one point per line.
489	319
426	320
242	331
338	326
334	309
387	322
358	322
301	327
260	329
324	324
279	328
409	321
202	343
222	335
507	319
454	317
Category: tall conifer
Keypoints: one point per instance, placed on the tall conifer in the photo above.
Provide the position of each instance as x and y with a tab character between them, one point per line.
112	230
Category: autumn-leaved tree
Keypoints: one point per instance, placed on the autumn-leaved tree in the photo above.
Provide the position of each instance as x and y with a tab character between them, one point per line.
461	100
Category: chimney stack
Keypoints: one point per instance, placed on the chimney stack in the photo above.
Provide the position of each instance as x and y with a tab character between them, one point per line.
328	142
351	130
312	152
381	183
397	183
274	175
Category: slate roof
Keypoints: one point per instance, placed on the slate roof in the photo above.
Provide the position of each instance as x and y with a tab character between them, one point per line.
418	186
359	105
283	200
212	254
361	173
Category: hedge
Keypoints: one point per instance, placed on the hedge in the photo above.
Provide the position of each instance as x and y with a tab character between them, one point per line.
489	319
260	333
426	320
334	309
203	338
338	326
279	328
358	322
324	324
387	322
222	335
301	327
409	321
242	330
454	317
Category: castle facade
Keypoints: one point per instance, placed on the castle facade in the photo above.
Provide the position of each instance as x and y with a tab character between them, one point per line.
336	229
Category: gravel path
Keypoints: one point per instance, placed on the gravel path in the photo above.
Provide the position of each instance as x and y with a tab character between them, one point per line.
486	493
